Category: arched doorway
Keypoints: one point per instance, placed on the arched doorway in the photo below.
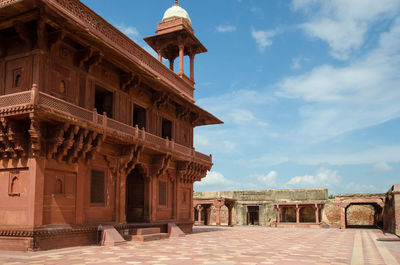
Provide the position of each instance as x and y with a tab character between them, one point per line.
136	196
363	215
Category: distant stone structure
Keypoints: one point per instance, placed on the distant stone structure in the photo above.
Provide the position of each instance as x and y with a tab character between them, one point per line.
306	208
259	207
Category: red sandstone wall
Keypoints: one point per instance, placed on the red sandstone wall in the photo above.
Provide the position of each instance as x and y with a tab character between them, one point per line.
14	204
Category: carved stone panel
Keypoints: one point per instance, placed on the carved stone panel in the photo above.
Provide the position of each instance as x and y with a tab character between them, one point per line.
15	186
17	75
59	197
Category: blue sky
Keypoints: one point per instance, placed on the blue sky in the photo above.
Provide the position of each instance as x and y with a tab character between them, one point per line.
309	90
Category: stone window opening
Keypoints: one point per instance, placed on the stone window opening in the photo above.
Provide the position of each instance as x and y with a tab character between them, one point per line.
59	186
14	187
62	87
103	101
139	117
166	129
97	187
17	78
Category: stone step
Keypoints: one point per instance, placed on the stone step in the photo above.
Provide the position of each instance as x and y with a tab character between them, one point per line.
151	237
148	231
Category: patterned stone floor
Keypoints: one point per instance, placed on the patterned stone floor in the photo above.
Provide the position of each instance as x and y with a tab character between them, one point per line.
233	245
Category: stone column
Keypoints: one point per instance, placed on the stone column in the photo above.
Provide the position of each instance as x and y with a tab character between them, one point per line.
181	54
171	64
297	214
278	214
199	208
191	67
218	219
316	214
154	189
122	198
343	217
208	215
159	57
230	216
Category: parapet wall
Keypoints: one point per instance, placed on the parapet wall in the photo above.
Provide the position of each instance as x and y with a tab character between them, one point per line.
268	195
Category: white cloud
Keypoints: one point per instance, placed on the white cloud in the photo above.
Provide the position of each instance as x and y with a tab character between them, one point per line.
214	178
361	188
297	62
130	31
226	28
390	154
381	167
343	24
346	98
268	180
244	116
323	178
201	141
263	37
216	181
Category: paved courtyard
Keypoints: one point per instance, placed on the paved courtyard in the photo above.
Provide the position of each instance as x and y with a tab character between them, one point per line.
236	245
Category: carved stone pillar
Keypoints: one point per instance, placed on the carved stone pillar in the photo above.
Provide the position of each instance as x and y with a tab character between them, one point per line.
297	214
207	215
159	57
122	198
218	218
199	209
316	214
230	215
171	64
181	56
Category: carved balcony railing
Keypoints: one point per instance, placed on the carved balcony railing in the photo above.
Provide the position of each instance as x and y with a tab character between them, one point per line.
28	100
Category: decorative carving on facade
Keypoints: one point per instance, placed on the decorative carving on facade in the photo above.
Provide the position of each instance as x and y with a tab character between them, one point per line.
13	144
55	38
182	112
190	172
35	135
160	99
14	187
129	82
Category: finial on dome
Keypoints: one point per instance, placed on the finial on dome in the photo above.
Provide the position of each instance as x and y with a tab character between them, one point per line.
176	3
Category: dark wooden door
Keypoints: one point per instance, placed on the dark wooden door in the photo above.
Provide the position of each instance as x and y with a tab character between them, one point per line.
134	198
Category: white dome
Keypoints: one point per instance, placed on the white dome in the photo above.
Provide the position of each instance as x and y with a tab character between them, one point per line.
176	12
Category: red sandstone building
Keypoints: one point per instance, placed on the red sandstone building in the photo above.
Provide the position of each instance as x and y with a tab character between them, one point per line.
93	129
